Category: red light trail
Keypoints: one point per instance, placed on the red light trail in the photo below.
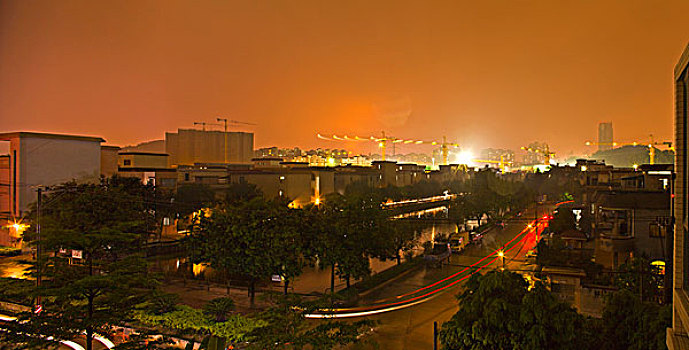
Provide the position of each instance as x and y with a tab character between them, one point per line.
533	228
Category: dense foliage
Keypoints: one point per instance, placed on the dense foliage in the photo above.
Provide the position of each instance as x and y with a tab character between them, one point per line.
285	327
93	274
498	311
186	319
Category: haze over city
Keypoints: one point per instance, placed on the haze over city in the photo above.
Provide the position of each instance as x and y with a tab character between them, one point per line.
364	174
484	74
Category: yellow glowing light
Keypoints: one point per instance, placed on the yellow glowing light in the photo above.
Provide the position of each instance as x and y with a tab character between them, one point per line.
331	161
381	145
465	157
197	269
583	168
18	227
635	166
317	201
501	254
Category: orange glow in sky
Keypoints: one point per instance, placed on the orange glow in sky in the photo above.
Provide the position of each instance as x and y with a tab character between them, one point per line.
492	73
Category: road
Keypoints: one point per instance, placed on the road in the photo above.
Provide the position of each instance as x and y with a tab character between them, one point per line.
412	327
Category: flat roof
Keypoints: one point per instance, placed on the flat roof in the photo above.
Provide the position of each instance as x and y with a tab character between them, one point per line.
143	154
20	134
145	169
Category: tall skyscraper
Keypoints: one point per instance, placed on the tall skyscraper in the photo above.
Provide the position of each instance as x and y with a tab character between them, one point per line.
605	136
677	336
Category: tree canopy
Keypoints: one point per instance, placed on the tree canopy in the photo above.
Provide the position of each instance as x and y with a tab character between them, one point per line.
499	311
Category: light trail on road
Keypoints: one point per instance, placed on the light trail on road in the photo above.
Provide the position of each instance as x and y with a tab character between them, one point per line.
534	228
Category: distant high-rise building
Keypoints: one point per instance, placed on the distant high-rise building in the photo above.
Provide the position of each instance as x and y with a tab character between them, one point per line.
605	136
188	146
677	336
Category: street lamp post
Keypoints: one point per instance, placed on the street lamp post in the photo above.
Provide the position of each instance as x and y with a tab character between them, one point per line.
38	244
501	254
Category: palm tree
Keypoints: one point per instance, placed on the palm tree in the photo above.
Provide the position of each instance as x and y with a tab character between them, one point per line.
218	308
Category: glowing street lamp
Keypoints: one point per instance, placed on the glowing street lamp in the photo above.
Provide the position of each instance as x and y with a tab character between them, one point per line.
501	254
18	228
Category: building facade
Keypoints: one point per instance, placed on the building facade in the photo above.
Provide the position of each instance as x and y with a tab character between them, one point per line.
188	146
605	136
40	159
677	335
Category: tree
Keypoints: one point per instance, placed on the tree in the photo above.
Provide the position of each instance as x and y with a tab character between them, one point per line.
192	197
629	323
105	225
218	308
252	240
498	311
346	234
285	327
642	279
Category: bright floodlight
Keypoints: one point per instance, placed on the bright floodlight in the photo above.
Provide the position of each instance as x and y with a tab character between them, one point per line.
501	254
465	157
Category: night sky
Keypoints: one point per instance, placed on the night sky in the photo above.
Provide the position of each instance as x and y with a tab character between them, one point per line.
484	73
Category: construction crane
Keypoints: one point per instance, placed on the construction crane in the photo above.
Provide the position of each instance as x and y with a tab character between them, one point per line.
225	121
384	140
502	164
203	125
547	154
651	146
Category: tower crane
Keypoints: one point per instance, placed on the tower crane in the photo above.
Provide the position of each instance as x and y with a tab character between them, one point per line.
203	125
502	164
651	146
384	140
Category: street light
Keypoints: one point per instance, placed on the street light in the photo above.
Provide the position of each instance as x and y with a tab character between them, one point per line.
501	254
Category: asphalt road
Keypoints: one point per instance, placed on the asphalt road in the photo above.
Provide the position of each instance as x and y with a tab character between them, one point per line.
412	327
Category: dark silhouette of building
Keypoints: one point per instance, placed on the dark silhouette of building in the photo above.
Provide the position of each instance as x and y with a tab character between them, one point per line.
677	335
605	136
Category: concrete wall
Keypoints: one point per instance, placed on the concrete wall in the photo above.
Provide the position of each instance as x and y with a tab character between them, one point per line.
108	160
52	161
189	146
142	160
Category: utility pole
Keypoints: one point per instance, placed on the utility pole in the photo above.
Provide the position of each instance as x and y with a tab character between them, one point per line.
435	335
38	245
224	120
